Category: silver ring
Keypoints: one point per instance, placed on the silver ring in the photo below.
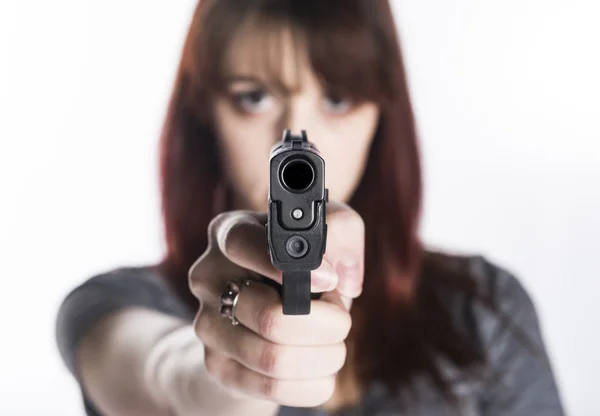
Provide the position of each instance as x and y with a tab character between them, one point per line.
229	298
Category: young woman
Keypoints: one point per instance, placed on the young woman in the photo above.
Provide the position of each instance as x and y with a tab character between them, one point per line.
399	329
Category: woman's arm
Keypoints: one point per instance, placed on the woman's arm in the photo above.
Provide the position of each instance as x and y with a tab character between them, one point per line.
142	362
111	361
130	344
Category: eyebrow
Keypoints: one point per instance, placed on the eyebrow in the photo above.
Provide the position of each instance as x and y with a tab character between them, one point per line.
242	78
249	78
232	79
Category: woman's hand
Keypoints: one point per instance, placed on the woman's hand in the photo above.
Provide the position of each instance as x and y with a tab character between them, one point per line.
290	360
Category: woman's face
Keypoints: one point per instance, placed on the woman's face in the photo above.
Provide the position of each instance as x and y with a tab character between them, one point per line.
251	116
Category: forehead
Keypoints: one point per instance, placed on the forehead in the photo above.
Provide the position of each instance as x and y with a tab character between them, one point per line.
273	53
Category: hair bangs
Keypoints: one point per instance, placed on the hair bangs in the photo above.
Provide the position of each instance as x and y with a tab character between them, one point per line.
346	54
342	50
269	49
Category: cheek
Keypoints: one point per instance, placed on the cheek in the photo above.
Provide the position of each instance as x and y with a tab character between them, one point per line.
245	143
343	172
346	155
230	138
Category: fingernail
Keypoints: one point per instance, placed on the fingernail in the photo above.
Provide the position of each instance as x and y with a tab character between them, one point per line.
324	278
348	272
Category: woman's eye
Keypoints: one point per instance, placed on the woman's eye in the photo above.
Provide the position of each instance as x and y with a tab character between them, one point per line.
256	101
336	104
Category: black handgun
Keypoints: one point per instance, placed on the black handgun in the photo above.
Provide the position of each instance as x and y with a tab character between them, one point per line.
296	227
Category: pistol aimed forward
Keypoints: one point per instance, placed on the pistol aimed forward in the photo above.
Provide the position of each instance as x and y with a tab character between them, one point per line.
296	227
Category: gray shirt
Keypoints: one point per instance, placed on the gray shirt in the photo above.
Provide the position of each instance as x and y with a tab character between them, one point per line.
523	382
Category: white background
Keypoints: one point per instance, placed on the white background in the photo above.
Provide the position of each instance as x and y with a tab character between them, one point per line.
508	104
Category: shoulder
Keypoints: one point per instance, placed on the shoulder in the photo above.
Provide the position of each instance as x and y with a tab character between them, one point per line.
499	313
498	282
485	298
504	305
490	277
474	277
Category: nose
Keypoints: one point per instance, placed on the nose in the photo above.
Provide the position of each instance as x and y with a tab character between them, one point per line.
296	116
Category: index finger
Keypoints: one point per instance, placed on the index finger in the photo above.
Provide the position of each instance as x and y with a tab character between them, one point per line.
242	240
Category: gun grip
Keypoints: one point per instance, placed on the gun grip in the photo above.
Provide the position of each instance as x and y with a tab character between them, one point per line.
296	294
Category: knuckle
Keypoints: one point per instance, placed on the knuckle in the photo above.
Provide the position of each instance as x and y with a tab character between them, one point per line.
206	273
267	320
202	326
213	225
234	235
193	274
229	374
269	360
231	239
212	363
204	266
197	286
268	386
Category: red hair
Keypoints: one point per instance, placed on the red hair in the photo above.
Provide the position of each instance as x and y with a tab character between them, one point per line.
354	49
